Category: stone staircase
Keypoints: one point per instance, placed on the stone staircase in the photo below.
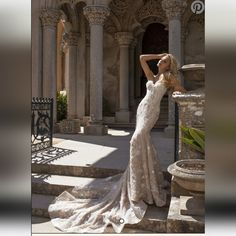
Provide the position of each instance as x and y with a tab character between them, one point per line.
49	180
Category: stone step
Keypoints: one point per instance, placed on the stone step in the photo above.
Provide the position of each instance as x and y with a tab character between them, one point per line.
56	184
81	171
153	221
40	204
163	117
159	125
43	225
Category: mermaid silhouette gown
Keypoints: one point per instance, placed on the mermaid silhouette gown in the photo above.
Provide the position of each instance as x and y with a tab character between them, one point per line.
125	196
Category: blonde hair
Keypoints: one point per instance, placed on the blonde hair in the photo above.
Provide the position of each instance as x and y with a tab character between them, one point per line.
173	70
173	65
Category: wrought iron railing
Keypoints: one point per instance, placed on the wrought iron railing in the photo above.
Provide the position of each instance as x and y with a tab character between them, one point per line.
41	123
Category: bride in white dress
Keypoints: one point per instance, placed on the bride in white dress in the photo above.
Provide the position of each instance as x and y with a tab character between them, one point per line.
126	196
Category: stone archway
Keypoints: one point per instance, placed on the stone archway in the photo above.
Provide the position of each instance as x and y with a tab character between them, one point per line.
155	41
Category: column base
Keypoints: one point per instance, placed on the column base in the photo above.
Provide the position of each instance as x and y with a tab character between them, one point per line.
123	116
69	126
56	128
96	129
170	131
85	120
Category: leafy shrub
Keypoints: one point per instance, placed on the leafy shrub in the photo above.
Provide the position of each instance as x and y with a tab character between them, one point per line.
194	137
61	106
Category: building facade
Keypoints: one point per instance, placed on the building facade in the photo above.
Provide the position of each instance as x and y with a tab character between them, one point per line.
91	48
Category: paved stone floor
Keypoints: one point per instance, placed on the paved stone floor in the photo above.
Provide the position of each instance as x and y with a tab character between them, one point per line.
109	151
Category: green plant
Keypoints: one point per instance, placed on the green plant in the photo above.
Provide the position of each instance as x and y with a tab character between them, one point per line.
61	106
194	137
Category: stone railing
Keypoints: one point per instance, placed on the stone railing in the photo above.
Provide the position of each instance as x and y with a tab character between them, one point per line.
191	109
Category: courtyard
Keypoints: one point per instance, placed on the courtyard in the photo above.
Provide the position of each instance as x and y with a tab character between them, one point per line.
90	156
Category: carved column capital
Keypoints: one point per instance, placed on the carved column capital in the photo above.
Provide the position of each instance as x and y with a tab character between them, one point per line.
124	38
50	17
96	15
174	8
72	38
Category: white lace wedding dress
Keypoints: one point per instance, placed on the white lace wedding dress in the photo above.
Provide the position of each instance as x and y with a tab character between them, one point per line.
125	196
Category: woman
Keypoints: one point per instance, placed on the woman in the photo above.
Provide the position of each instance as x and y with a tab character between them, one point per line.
126	196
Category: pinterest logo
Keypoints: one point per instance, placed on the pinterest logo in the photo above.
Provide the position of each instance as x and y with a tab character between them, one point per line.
197	7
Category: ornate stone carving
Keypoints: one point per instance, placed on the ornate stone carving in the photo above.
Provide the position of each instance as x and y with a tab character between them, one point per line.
110	26
174	8
199	18
119	7
50	17
71	2
120	4
72	38
124	38
96	15
151	8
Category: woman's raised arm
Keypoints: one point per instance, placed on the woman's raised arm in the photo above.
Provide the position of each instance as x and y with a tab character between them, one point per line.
143	61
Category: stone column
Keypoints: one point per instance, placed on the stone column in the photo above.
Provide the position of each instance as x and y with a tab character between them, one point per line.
173	9
37	44
72	123
96	15
124	39
59	58
66	63
72	42
132	75
87	100
49	19
138	68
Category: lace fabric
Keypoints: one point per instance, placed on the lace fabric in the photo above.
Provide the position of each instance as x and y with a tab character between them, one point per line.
124	197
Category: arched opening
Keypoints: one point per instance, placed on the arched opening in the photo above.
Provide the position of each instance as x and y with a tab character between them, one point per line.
155	41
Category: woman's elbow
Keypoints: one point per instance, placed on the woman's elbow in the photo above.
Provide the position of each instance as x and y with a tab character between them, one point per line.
141	57
180	89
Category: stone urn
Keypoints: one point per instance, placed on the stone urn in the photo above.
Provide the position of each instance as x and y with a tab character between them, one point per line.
194	77
190	175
